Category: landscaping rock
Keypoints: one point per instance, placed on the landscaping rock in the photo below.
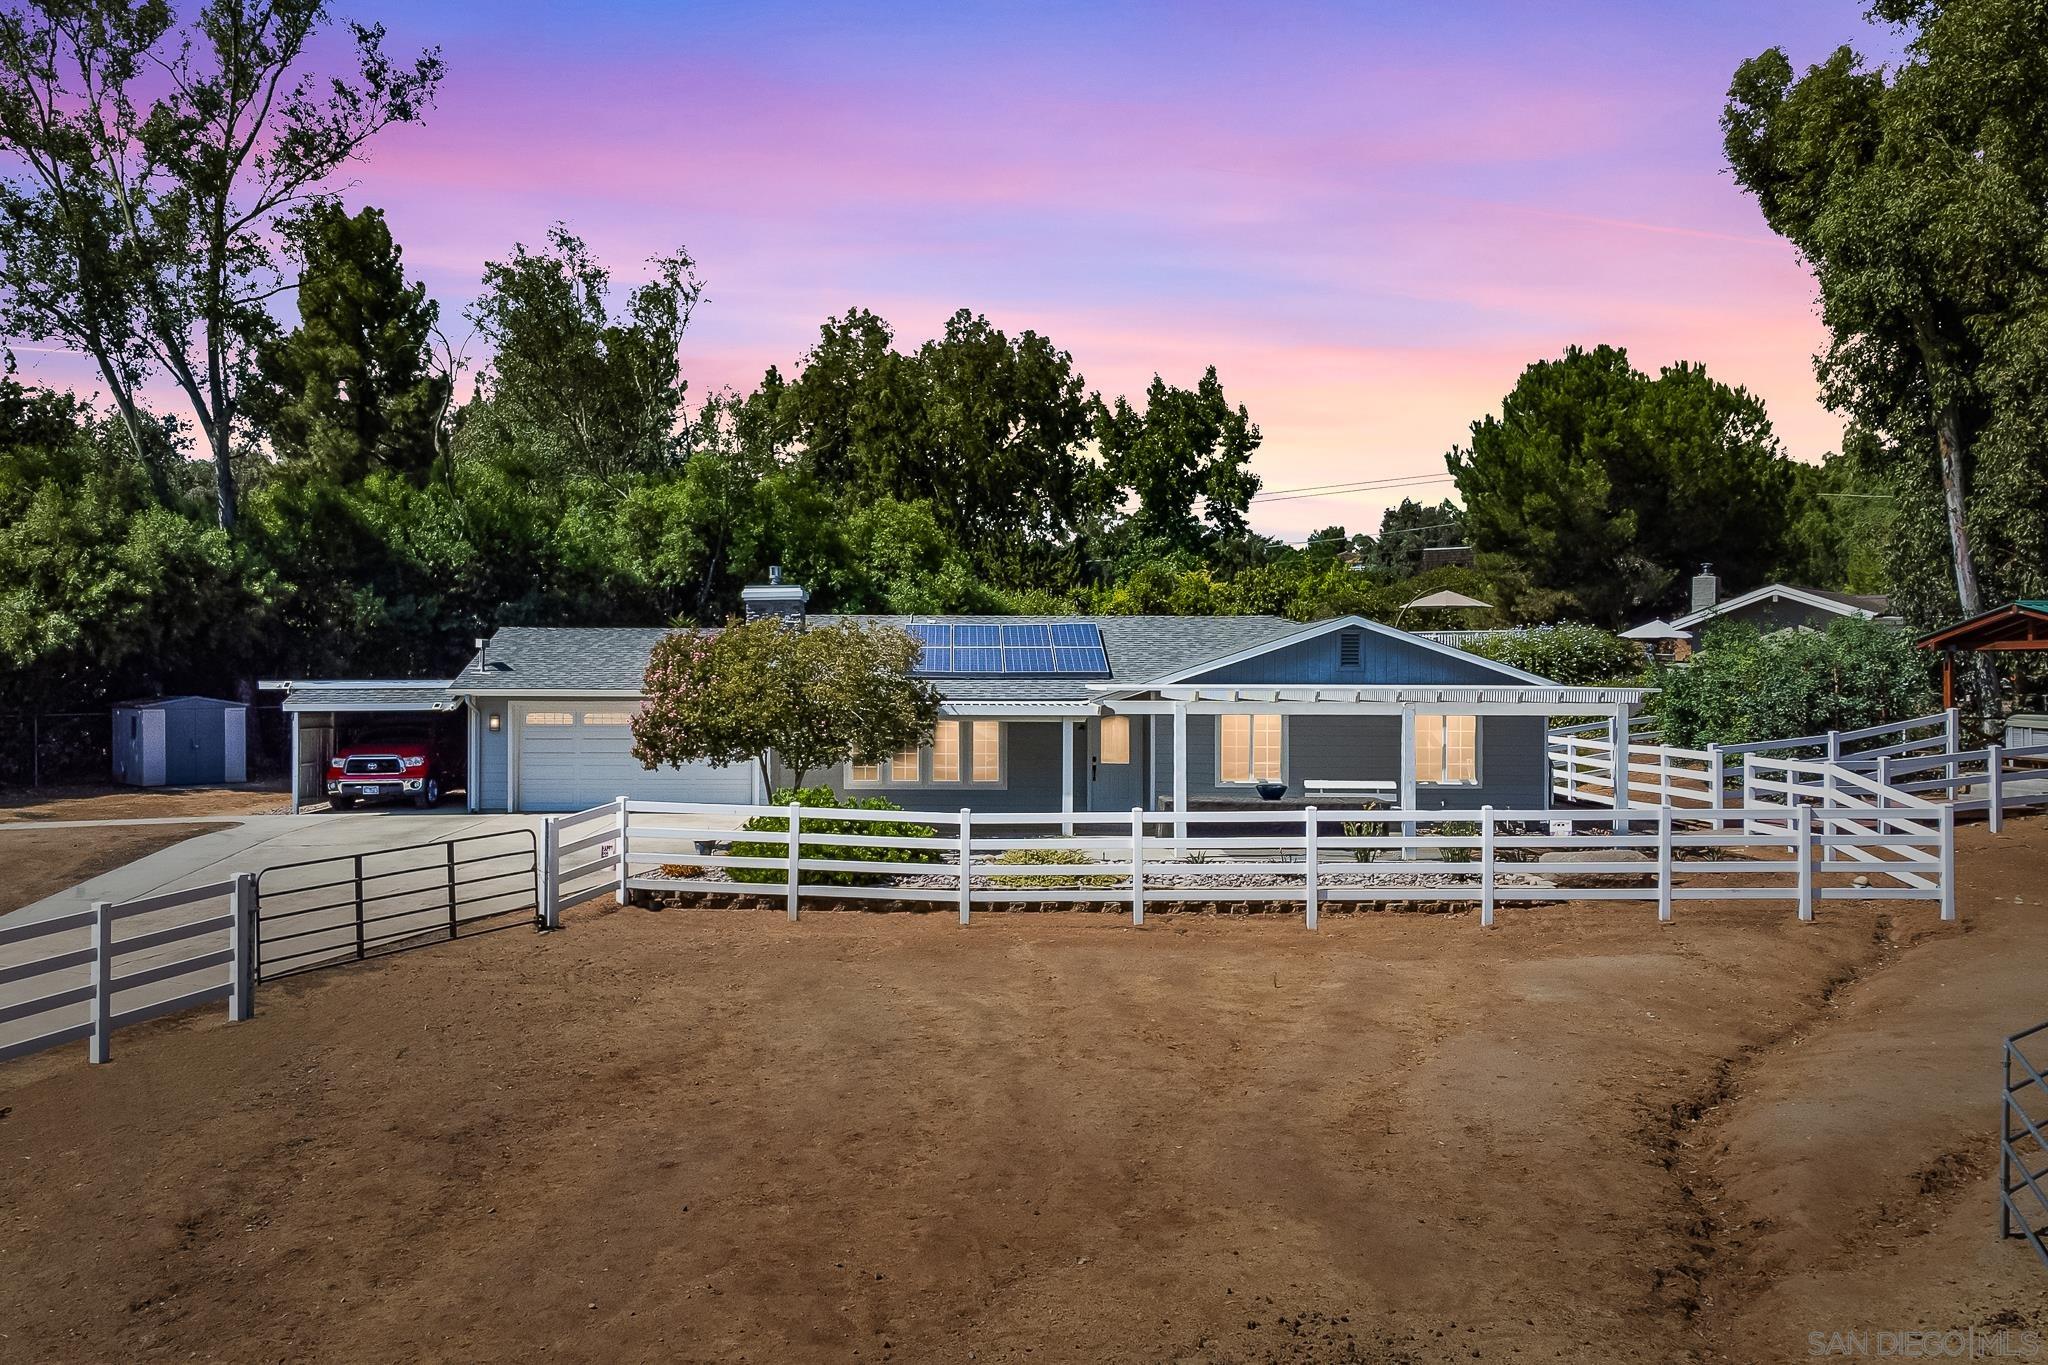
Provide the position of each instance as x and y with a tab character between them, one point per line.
1622	859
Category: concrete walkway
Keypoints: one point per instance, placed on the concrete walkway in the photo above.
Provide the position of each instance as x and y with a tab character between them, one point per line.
411	896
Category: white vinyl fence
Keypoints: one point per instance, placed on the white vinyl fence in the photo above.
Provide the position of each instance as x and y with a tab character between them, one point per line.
1656	856
84	977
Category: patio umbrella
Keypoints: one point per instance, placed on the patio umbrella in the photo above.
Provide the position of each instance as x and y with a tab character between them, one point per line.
1447	598
1656	630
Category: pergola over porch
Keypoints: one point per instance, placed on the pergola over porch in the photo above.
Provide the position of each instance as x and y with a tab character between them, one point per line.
1181	700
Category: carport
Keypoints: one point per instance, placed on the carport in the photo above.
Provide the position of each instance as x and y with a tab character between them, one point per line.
316	710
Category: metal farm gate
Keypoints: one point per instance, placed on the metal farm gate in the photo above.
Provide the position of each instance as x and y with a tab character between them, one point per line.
341	909
2022	1148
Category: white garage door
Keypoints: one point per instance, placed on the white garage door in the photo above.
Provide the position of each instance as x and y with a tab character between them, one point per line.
577	755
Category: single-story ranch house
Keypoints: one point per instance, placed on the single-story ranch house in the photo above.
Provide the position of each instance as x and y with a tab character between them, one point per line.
1040	714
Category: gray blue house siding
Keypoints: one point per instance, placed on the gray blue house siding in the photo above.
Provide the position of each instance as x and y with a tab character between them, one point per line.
492	776
1513	767
1382	662
1031	773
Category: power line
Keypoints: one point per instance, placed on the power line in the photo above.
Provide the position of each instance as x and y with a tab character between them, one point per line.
1336	489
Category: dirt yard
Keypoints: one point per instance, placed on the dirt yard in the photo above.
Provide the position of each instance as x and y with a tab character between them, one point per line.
142	803
42	862
701	1135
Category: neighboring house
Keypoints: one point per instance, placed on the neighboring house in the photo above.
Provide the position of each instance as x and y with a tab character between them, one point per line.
1774	606
1045	714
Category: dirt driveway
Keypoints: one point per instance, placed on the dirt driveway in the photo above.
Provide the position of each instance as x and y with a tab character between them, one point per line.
716	1136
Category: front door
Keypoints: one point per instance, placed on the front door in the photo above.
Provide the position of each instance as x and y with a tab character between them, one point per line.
1116	762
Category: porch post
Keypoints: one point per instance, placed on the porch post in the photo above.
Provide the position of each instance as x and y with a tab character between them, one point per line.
1180	776
1067	776
1407	766
473	749
295	761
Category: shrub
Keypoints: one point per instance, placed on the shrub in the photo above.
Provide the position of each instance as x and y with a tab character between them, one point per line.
1457	829
824	798
1742	686
1568	654
1047	857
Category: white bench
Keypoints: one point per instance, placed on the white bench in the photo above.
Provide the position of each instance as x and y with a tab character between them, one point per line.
1332	786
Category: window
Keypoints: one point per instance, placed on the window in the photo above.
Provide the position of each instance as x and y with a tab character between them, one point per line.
1447	750
946	751
903	764
988	751
1248	748
550	718
607	718
1116	739
863	774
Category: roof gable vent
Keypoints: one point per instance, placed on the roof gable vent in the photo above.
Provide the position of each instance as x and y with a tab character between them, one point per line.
1351	649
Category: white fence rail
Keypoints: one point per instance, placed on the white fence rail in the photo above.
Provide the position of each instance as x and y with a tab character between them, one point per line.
1308	858
128	977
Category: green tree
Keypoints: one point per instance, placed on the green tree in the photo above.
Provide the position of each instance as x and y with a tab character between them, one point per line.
1741	686
1915	193
1186	445
815	697
602	396
1605	485
353	387
1570	654
1407	530
102	589
149	169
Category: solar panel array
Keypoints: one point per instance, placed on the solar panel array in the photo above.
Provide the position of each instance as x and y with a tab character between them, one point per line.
1038	648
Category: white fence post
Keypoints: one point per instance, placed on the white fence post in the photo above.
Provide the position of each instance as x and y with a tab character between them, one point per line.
1948	863
1748	792
625	871
102	981
242	949
1664	864
1486	867
966	862
796	815
1806	864
1831	789
1952	728
1138	860
1884	779
1994	775
1834	746
1717	777
550	874
1308	856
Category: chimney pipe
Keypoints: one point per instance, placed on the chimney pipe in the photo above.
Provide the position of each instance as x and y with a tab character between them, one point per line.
1706	588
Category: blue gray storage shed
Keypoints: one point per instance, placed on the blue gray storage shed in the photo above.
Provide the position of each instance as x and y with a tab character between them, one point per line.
181	742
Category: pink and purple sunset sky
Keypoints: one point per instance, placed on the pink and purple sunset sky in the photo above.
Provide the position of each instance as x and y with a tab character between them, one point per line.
1368	217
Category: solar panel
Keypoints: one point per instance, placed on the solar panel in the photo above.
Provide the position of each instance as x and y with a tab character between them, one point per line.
1023	649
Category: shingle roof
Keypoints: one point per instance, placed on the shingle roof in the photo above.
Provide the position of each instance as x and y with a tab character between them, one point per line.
422	697
614	659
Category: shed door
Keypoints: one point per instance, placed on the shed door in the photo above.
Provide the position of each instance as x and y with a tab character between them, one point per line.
575	756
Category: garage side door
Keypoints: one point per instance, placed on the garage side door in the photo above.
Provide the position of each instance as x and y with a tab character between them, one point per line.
574	756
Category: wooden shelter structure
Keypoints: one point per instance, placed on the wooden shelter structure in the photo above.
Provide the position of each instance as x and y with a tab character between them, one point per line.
2021	625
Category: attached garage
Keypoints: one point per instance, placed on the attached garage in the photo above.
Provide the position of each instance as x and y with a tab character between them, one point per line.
573	755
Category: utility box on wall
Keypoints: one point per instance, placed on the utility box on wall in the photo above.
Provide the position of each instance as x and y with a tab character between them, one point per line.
180	742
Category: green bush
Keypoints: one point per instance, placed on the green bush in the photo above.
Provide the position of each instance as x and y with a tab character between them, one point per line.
1742	686
1569	654
813	799
1048	857
1456	829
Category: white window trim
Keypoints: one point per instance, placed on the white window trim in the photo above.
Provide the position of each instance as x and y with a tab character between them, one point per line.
1251	737
1478	752
925	781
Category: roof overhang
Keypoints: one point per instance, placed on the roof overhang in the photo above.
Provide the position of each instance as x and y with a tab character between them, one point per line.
397	694
1509	700
2015	626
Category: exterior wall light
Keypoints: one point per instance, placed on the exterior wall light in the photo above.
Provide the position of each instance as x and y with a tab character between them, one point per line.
497	722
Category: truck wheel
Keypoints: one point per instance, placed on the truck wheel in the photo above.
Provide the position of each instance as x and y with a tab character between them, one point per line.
429	795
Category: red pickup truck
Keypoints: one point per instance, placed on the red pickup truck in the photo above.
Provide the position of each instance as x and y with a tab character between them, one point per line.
387	765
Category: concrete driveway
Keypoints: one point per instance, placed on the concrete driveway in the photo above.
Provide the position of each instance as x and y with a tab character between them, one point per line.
330	883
